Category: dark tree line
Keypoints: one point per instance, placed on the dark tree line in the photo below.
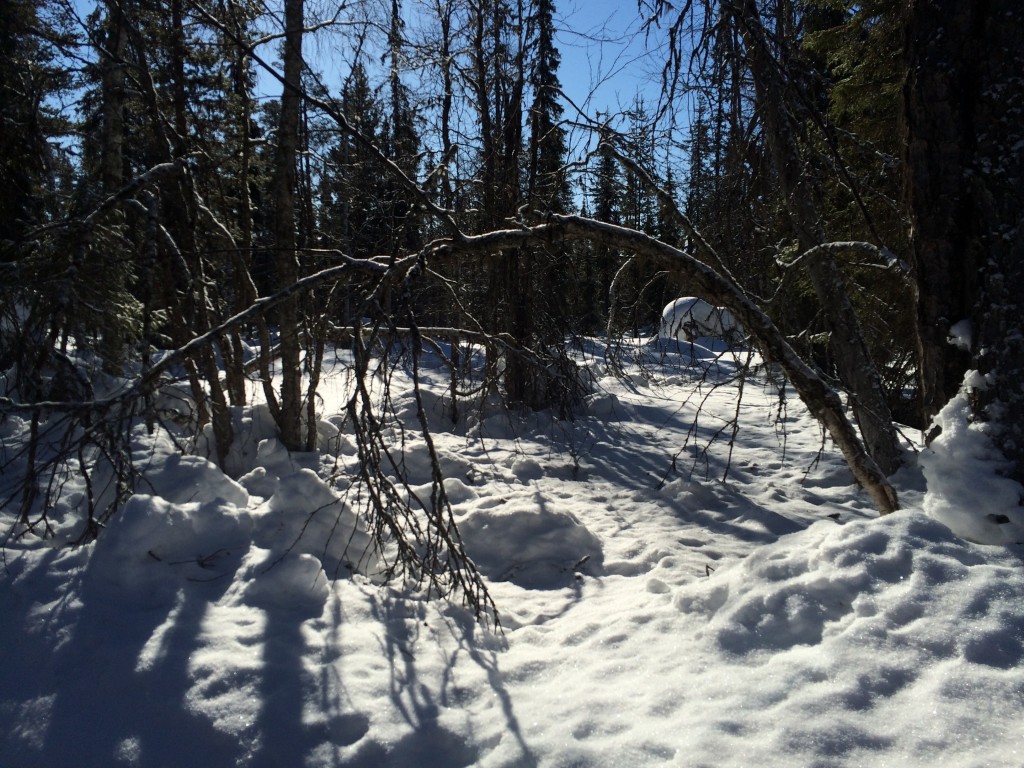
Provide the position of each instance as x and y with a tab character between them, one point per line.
850	188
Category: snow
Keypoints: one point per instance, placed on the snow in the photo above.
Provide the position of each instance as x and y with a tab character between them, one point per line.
966	490
653	613
690	318
960	335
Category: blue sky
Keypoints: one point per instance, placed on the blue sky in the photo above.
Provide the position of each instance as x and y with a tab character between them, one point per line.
607	60
606	56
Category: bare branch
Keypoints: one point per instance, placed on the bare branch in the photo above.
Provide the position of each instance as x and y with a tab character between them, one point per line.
823	401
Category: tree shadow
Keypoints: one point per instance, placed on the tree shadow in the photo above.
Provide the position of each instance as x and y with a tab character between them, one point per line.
116	676
288	735
430	743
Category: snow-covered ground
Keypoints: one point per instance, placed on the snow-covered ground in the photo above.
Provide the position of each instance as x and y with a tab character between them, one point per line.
653	612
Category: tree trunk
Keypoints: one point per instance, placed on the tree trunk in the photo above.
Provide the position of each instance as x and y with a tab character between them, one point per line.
286	261
965	185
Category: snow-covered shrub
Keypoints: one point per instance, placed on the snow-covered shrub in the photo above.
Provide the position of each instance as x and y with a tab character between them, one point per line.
690	318
967	489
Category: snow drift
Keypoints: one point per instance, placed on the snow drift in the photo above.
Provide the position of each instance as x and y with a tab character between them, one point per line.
653	613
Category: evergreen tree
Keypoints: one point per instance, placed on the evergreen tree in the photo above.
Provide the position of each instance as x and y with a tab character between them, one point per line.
548	185
638	206
352	211
854	49
603	261
547	273
32	78
36	181
400	142
965	183
642	288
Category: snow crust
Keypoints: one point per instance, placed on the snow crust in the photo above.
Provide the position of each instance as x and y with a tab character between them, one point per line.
653	613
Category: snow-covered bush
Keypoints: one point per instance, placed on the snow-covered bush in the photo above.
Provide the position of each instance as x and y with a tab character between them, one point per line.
690	318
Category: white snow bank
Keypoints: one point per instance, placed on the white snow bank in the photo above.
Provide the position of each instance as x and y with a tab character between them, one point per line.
529	544
305	516
965	489
154	546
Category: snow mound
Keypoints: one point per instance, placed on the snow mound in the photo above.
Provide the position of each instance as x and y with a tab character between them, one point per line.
181	479
986	511
867	583
296	583
332	440
530	545
251	426
274	461
608	406
415	463
154	546
305	516
691	318
526	469
458	492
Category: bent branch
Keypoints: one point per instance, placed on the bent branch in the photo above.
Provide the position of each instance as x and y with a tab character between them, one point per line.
823	401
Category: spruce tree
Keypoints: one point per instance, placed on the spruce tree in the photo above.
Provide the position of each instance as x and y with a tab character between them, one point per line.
548	273
30	77
965	185
548	186
352	212
603	261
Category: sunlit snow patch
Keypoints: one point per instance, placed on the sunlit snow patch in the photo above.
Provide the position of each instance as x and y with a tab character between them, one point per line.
965	490
530	545
845	586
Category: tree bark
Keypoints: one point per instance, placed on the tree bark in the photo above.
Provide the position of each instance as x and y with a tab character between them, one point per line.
965	187
289	420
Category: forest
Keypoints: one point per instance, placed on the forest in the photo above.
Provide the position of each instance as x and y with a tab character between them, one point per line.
211	211
844	177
